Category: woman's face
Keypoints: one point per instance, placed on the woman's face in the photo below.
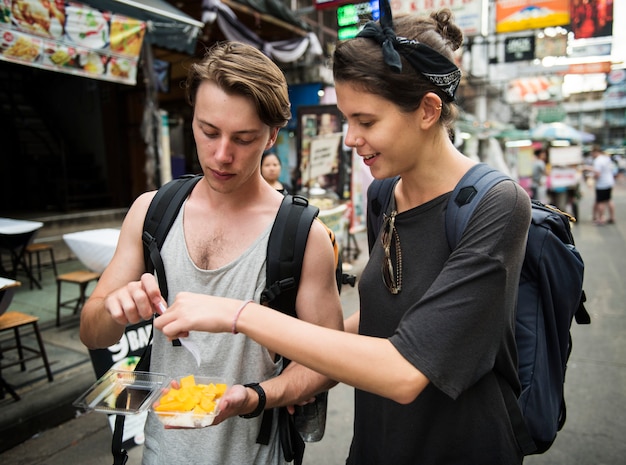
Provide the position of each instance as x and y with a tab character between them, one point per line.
387	139
270	168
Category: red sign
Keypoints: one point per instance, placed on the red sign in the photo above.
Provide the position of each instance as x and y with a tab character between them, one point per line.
589	68
324	4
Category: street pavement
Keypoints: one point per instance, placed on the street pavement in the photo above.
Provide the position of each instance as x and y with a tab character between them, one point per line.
595	389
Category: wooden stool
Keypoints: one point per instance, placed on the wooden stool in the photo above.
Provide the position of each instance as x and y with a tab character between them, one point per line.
16	320
82	278
37	249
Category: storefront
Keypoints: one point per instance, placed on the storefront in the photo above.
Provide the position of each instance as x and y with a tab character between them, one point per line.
82	125
73	97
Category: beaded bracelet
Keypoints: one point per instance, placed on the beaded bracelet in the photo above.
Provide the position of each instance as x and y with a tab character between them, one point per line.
234	328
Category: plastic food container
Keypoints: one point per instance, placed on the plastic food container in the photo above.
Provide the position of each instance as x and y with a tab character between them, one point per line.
194	405
122	392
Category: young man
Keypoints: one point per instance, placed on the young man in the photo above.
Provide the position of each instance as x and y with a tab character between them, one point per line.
605	180
217	246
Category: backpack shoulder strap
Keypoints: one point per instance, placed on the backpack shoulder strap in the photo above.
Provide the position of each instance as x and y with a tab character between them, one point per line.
466	196
157	223
285	252
159	219
378	196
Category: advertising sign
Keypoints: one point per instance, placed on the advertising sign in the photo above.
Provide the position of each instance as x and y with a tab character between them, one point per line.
592	18
519	48
72	38
469	15
521	15
352	17
323	4
553	45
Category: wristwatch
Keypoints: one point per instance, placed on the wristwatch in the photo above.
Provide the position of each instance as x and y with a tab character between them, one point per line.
262	400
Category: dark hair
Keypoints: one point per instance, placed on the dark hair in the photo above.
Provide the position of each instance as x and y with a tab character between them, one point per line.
267	154
241	69
360	61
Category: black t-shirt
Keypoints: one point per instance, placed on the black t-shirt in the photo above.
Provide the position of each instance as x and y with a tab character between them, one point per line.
454	321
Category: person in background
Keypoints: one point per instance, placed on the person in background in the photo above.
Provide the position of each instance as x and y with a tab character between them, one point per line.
604	181
432	349
539	175
271	168
217	246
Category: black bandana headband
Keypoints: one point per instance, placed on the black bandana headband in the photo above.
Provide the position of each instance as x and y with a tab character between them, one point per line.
444	74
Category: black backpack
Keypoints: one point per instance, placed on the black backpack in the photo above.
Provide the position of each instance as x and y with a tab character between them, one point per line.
285	250
285	253
550	296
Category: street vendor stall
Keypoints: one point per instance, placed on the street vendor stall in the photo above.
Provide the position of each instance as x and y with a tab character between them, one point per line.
564	177
323	171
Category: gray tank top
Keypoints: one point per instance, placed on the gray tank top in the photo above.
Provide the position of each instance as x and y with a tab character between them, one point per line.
235	359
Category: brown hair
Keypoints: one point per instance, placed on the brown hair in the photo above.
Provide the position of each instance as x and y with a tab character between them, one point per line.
241	69
360	61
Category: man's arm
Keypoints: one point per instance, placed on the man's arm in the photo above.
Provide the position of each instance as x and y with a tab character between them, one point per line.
120	297
317	302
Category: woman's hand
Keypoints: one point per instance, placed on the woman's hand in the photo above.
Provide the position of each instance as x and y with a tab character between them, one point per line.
196	312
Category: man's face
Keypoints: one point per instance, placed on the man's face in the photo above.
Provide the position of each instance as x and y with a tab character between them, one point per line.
230	137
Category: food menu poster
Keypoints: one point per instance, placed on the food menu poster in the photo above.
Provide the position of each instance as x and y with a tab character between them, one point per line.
71	37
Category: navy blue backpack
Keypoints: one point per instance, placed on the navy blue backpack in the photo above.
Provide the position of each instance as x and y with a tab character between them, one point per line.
550	297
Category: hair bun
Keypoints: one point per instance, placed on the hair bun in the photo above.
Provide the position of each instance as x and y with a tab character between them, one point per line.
446	27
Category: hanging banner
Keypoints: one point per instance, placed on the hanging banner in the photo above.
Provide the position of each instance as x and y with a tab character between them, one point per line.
72	38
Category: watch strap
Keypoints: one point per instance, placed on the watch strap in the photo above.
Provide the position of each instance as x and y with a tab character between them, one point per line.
262	400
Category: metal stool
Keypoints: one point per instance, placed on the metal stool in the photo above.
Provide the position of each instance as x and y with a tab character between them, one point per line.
82	278
37	249
15	320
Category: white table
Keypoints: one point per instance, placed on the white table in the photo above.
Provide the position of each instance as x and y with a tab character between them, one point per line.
11	227
15	235
93	247
7	289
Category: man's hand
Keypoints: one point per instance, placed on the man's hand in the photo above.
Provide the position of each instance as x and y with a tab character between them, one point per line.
237	400
136	301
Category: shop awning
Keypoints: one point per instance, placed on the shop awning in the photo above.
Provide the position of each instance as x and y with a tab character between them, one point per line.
167	26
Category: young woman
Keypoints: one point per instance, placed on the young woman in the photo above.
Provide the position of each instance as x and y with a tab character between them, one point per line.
271	168
434	336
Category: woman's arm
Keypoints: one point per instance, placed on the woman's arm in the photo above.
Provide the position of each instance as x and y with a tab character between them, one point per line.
318	285
367	363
